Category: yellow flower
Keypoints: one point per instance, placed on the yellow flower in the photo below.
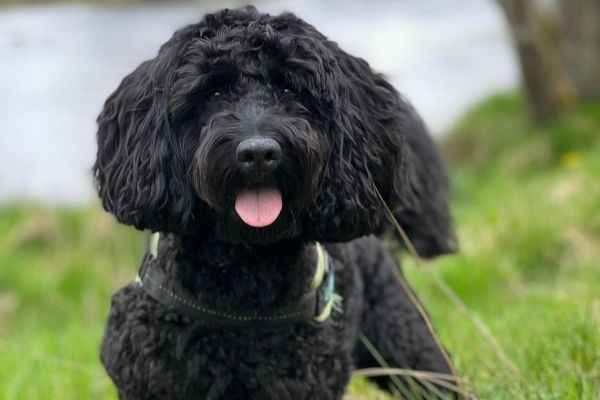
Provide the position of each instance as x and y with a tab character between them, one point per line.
571	160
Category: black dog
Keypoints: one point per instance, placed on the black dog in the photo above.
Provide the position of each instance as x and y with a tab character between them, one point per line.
248	140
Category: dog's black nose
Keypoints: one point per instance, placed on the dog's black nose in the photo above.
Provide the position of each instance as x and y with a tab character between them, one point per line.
258	154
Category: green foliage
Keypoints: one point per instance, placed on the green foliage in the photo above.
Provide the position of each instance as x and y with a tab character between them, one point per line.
498	135
59	268
527	208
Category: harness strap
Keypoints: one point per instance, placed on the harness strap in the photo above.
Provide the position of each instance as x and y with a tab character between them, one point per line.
314	305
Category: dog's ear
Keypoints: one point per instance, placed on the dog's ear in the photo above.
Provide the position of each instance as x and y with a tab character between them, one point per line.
377	139
140	168
419	198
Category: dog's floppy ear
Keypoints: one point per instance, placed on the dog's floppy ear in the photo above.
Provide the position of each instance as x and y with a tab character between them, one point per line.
377	139
419	199
140	171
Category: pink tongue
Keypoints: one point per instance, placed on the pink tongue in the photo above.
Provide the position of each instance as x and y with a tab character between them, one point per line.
258	207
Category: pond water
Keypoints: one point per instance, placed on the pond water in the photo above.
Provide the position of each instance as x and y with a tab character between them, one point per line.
59	62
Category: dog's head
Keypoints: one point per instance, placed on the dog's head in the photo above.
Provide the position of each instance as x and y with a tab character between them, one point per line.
256	128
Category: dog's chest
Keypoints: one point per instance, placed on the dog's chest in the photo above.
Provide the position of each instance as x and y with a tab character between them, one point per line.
179	357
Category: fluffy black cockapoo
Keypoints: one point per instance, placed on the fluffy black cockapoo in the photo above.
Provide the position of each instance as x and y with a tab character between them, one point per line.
246	142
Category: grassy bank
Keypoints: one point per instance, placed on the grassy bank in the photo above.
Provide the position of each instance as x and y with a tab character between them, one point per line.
527	208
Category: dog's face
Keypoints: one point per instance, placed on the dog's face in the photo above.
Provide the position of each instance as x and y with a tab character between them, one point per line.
257	140
258	129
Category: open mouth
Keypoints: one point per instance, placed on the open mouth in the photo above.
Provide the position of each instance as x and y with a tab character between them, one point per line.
259	206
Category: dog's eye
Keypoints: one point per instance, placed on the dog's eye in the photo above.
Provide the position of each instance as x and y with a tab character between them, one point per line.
215	96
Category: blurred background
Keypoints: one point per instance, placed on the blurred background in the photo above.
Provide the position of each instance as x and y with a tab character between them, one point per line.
510	88
61	61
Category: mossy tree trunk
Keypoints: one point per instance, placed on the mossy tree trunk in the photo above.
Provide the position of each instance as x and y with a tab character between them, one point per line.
579	27
548	88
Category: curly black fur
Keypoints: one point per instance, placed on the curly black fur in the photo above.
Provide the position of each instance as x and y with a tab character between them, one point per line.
166	162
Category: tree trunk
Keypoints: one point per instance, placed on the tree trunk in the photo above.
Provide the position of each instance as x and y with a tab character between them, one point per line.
547	87
579	23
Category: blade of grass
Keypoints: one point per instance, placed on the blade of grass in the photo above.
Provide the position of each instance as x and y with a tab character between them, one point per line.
460	305
409	377
437	378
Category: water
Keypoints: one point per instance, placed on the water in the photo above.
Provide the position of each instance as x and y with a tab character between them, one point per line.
59	62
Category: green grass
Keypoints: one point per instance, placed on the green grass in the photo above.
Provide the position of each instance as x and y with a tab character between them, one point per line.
59	268
527	207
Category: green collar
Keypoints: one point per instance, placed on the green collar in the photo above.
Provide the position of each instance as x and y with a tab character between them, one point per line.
315	305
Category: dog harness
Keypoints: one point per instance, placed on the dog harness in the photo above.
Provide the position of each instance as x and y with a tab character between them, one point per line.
315	305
